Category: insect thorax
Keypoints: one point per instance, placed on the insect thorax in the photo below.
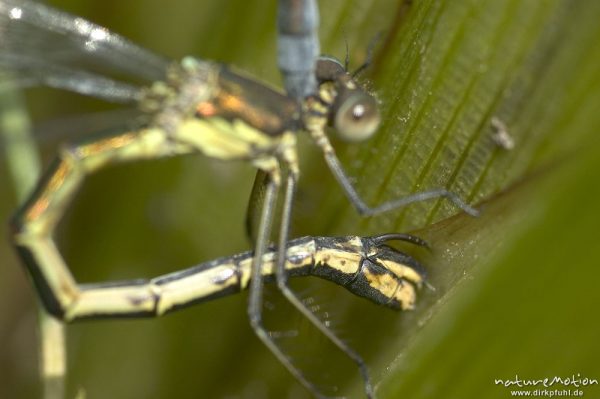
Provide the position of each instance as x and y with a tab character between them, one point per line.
174	99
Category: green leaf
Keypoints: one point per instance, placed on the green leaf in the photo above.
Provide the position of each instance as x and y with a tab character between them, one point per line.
514	289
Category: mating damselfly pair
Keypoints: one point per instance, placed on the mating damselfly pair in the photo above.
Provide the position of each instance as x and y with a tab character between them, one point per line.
196	106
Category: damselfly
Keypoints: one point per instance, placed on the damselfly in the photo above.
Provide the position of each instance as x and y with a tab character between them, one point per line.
190	107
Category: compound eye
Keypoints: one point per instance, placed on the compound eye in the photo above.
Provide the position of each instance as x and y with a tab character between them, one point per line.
357	117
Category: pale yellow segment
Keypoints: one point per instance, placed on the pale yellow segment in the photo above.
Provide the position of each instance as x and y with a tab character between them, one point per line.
288	149
245	270
43	214
355	243
196	286
402	271
113	301
56	273
143	144
406	296
61	190
384	283
219	138
267	268
105	146
301	254
344	261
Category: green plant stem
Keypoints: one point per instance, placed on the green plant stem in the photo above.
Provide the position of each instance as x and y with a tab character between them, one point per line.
24	167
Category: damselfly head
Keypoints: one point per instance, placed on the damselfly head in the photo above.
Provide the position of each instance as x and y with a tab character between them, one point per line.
353	113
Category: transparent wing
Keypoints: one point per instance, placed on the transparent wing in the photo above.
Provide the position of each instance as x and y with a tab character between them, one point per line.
41	45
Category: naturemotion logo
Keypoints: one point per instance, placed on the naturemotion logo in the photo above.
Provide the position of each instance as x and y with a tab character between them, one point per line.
565	386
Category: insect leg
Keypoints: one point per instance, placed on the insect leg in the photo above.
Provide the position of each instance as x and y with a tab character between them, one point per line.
282	283
255	302
364	209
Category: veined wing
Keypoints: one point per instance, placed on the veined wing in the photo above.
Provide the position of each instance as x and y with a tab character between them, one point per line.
43	46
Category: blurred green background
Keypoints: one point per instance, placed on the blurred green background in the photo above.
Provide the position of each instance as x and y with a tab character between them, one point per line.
515	290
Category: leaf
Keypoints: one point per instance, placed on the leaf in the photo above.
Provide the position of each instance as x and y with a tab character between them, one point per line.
510	298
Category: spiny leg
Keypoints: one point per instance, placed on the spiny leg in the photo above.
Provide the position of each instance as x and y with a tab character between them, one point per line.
255	303
366	210
291	296
35	222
